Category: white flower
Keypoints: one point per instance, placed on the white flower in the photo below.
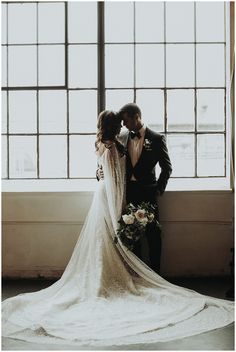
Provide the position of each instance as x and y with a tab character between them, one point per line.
140	214
147	141
128	219
151	216
144	221
147	144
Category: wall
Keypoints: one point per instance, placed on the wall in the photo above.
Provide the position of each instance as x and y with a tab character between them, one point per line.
39	231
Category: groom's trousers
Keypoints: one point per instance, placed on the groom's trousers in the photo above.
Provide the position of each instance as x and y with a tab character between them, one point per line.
137	193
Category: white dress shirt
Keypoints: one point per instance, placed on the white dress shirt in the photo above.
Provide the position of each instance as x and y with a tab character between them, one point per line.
135	147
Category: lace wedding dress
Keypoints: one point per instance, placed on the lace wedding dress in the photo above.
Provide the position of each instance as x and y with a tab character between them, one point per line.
106	295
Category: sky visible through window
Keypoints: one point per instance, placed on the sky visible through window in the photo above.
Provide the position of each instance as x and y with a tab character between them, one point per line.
171	58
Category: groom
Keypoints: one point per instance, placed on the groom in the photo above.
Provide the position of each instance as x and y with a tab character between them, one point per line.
145	148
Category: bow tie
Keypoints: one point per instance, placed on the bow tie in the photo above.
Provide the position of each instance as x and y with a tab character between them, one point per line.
135	134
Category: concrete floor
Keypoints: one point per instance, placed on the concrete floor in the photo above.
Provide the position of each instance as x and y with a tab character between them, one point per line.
216	340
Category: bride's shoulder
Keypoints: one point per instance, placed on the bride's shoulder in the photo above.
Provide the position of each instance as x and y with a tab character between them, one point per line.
103	146
99	148
111	146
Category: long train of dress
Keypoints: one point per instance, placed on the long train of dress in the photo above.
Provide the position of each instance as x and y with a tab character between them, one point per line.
107	295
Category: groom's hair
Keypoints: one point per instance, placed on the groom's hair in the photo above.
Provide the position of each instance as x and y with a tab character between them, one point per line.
130	109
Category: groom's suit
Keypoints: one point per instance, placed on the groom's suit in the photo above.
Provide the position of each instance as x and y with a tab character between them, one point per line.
146	186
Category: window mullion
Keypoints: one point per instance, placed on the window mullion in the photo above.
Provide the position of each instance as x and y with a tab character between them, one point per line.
101	57
37	91
195	94
67	90
8	153
165	90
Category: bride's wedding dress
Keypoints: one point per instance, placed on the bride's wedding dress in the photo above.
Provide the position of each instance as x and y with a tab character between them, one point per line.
106	295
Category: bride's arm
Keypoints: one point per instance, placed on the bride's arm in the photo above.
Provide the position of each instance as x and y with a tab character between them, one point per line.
102	147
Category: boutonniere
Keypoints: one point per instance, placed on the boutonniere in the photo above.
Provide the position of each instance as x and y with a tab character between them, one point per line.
147	144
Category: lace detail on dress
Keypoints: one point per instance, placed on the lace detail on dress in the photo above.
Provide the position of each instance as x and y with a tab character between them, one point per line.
106	295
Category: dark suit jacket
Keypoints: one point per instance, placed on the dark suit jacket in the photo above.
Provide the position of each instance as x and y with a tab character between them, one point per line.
154	151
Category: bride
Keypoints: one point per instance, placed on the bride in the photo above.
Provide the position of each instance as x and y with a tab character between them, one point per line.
107	295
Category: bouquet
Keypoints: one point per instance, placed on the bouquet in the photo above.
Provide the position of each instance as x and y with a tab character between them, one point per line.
134	221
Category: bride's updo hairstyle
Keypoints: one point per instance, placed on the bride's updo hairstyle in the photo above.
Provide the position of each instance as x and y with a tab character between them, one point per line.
108	127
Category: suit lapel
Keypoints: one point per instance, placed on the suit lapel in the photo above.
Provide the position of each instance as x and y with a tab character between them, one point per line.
143	152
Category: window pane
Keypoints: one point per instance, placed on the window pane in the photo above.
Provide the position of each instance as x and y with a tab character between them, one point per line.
22	159
180	110
116	98
22	65
82	22
51	22
181	151
22	112
149	65
52	111
151	103
51	65
4	23
53	156
210	65
179	21
210	110
4	156
149	24
210	155
4	112
83	111
83	160
4	66
22	23
213	31
119	21
180	65
119	66
83	66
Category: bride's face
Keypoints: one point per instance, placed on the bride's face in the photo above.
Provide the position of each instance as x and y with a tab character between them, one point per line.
119	126
119	129
113	128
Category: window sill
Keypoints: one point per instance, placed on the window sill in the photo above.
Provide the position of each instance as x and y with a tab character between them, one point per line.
89	185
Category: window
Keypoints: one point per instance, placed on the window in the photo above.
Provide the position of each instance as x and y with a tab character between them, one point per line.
62	64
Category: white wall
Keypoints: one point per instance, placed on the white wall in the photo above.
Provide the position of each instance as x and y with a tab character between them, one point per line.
40	230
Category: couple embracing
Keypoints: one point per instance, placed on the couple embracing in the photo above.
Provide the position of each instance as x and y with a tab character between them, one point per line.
107	295
144	148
